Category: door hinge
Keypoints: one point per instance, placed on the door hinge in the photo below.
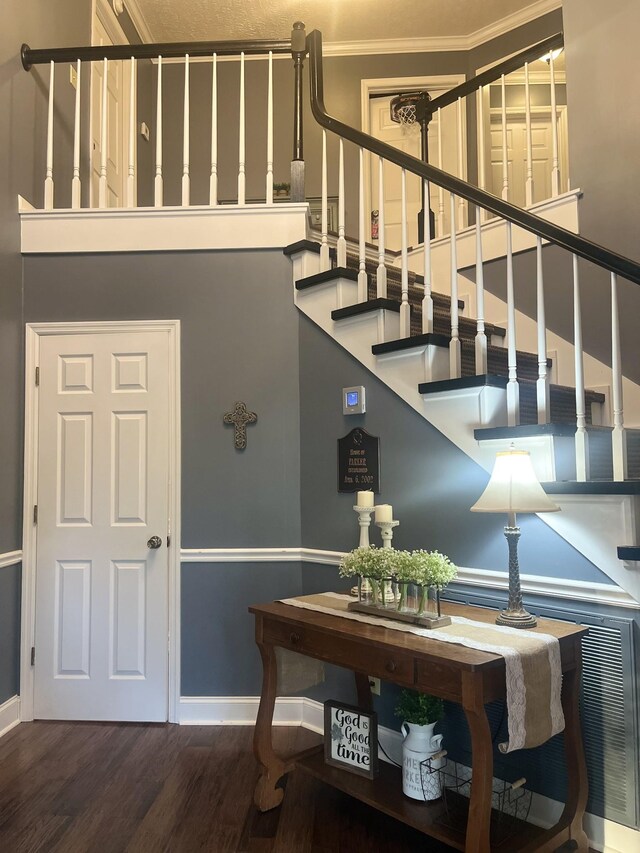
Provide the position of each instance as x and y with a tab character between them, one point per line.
35	514
33	655
169	541
37	376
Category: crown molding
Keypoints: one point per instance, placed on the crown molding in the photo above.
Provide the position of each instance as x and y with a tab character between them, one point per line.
139	21
441	44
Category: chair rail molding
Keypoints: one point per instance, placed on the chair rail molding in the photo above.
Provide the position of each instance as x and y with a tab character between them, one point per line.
10	558
552	587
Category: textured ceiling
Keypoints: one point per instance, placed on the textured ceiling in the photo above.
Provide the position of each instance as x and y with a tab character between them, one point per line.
339	20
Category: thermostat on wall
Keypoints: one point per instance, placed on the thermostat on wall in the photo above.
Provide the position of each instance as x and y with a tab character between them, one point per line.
353	400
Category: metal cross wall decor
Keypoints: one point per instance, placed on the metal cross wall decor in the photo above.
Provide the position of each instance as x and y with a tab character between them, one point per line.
239	418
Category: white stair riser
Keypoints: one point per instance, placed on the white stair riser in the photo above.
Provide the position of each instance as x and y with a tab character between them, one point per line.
424	364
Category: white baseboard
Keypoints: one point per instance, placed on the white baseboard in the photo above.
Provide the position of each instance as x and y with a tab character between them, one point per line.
604	835
9	715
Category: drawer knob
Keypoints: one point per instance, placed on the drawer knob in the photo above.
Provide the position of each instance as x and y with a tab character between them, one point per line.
294	638
390	666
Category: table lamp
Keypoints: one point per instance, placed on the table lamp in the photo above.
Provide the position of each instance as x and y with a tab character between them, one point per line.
514	488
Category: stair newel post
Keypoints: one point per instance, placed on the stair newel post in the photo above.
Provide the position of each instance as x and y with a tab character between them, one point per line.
542	383
582	437
618	438
405	310
325	260
241	138
341	248
298	53
104	137
455	358
462	219
213	177
362	267
269	186
381	272
527	111
440	189
75	181
513	390
131	175
427	301
157	182
186	181
48	178
555	169
505	144
481	337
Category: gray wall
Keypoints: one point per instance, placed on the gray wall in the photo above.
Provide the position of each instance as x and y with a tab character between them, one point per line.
239	342
428	480
9	632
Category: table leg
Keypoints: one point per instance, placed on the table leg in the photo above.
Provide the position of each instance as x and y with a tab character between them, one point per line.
577	781
272	768
363	689
478	824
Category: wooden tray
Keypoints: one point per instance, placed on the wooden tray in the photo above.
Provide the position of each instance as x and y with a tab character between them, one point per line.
397	616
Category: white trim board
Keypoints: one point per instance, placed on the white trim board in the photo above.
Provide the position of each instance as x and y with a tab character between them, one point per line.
163	229
33	333
10	558
604	835
9	715
552	587
139	21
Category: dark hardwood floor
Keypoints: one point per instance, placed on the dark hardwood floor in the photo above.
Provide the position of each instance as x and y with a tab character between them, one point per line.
75	787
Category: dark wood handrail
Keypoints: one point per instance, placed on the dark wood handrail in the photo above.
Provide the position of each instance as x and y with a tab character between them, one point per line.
167	50
494	73
574	243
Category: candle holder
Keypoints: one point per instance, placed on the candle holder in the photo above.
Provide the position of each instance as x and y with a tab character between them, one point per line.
364	521
386	531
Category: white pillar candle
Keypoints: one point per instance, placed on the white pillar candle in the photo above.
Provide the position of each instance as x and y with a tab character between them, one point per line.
384	512
364	498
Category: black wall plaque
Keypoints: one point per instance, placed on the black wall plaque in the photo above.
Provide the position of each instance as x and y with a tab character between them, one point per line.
359	462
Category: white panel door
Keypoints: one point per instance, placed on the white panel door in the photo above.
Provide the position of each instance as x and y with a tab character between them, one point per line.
103	482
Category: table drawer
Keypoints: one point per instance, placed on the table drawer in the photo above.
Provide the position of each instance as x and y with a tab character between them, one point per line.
439	679
389	665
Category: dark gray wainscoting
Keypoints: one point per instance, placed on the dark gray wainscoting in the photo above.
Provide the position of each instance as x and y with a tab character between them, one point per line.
10	581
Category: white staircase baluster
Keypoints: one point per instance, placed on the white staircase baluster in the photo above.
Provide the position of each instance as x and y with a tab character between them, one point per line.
405	310
527	112
455	360
618	438
555	168
241	138
213	177
582	437
440	189
76	187
481	337
186	183
381	272
427	301
542	383
158	183
131	173
462	219
362	267
325	260
342	242
48	178
513	390
482	154
104	137
269	193
505	145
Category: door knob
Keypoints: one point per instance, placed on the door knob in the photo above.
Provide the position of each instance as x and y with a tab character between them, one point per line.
154	542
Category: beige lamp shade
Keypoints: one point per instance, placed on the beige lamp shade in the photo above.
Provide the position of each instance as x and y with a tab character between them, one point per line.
514	487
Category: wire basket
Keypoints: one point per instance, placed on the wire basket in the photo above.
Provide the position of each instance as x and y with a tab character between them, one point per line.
510	801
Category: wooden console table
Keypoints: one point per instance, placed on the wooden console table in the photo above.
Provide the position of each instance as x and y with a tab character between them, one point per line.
469	677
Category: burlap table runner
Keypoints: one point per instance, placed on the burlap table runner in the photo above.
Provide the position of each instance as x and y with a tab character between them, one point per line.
532	665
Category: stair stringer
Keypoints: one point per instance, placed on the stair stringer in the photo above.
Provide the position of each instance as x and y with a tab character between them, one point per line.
578	524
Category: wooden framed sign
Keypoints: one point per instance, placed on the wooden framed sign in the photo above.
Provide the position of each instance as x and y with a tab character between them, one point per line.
351	738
